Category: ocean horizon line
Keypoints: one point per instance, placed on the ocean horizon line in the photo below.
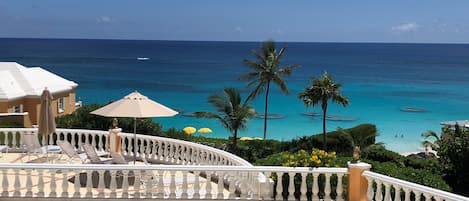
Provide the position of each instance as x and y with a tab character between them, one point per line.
246	41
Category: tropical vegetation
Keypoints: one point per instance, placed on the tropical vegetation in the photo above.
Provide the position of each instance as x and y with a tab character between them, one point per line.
266	69
321	91
453	154
230	111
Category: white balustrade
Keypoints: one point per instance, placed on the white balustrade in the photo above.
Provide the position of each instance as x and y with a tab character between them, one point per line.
404	190
156	181
155	149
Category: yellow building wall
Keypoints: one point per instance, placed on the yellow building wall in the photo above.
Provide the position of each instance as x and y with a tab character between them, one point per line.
33	105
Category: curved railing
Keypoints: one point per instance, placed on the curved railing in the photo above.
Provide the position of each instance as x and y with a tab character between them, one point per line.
183	182
154	149
382	187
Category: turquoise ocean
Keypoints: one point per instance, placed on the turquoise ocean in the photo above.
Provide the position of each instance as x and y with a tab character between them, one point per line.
380	80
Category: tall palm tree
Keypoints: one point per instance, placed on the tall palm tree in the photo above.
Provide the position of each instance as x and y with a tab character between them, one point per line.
266	69
231	113
320	92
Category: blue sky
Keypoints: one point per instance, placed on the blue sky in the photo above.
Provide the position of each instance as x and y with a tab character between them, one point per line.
418	21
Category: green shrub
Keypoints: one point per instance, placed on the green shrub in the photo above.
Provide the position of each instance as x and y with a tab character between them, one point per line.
381	154
419	176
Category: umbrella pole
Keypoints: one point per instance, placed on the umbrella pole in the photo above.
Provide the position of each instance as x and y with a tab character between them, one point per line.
135	139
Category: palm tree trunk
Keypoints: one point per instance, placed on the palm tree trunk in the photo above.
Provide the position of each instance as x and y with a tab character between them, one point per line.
324	140
265	110
235	142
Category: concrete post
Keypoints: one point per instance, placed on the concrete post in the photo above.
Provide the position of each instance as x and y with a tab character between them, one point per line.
358	184
115	140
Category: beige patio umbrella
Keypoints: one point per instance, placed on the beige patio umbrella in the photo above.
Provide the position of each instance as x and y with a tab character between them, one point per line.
135	105
46	117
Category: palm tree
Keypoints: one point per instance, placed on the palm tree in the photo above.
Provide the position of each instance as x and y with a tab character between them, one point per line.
320	92
266	69
429	144
232	114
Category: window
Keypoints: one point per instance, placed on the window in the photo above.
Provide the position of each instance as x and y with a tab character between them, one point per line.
18	108
60	105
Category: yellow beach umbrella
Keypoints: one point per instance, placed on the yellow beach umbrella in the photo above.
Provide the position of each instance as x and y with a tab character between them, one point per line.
246	138
205	130
258	138
189	130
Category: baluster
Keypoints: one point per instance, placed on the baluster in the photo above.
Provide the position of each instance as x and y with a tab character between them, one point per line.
184	185
339	190
101	184
165	151
64	184
14	142
77	184
291	186
125	183
17	183
141	149
378	194
315	195
160	184
137	175
427	196
40	183
221	186
89	184
113	186
370	191
154	150
418	194
208	185
196	185
303	187
232	186
397	193
407	194
101	142
160	151
177	154
124	145
327	187
387	191
148	182
172	186
73	141
53	184
266	193
29	184
279	195
5	183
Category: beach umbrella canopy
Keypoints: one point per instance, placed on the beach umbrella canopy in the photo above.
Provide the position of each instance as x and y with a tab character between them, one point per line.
246	138
46	114
189	130
135	105
205	130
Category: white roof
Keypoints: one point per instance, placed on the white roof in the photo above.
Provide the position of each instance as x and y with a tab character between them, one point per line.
18	81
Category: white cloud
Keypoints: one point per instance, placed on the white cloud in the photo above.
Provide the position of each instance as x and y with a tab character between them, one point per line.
280	32
238	30
405	27
104	19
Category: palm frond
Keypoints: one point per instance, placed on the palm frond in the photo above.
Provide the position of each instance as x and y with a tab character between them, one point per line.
282	84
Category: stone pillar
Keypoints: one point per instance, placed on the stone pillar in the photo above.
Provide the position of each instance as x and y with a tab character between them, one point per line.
358	184
114	142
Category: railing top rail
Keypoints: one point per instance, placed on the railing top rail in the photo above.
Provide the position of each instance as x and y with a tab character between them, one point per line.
172	167
410	185
234	158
